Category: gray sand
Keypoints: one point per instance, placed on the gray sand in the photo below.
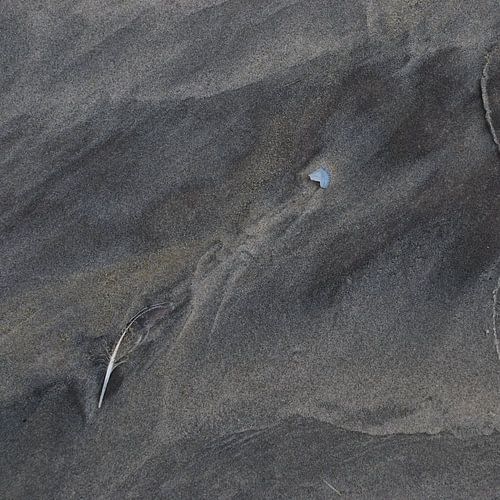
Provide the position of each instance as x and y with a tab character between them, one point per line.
159	152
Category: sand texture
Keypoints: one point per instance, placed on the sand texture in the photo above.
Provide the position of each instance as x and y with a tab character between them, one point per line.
310	341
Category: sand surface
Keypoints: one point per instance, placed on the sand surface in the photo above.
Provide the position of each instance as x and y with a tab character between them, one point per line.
311	341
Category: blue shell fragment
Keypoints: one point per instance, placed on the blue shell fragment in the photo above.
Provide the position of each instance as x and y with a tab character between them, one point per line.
322	176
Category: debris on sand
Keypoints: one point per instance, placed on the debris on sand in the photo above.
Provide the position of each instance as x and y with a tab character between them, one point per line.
322	176
116	359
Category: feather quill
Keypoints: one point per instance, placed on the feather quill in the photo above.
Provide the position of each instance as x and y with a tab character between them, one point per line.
113	360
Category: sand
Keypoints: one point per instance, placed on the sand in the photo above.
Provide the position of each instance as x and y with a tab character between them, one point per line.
159	152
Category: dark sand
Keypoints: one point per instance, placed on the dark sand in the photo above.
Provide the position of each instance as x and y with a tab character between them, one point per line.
159	151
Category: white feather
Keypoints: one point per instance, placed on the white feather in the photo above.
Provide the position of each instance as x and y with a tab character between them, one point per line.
113	361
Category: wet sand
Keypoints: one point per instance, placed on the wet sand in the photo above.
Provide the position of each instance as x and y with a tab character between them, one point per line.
159	152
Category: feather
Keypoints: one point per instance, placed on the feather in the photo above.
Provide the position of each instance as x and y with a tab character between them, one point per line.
114	359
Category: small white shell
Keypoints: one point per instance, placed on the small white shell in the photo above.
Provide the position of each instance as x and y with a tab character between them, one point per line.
322	176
